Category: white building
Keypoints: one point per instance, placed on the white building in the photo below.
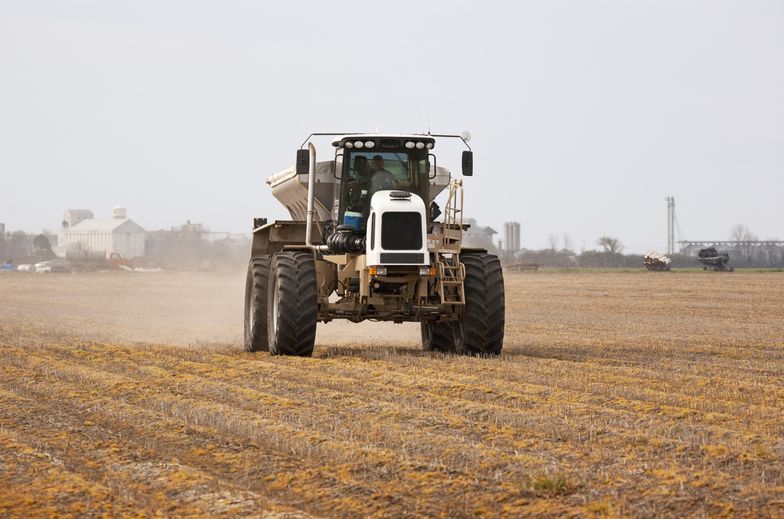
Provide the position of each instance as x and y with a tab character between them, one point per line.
85	237
477	236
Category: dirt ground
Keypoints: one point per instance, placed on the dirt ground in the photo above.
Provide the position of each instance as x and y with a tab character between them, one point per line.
641	394
177	308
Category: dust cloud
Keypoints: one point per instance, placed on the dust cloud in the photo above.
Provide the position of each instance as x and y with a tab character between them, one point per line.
177	308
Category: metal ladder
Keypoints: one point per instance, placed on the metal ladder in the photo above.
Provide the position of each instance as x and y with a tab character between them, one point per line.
450	271
453	218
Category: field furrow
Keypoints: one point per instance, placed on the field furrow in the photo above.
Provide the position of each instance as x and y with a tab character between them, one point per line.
604	402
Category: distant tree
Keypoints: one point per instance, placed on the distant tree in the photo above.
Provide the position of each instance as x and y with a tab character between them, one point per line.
42	247
567	243
18	246
610	244
41	242
553	241
742	233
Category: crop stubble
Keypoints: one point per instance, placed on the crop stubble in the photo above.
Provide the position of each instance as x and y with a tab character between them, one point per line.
618	393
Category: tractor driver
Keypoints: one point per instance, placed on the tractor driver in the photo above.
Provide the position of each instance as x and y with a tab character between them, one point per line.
358	188
361	167
382	178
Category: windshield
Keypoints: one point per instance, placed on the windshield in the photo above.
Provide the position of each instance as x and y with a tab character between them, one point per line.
366	172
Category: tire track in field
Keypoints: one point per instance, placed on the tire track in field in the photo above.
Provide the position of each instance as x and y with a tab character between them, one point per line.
406	494
620	434
50	489
624	410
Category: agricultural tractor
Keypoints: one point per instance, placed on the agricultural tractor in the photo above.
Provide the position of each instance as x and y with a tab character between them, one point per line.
364	243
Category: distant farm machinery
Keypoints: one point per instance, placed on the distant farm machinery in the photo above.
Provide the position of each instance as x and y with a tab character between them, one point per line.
656	261
712	259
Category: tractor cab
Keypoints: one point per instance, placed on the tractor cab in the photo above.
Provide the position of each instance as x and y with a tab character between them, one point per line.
367	164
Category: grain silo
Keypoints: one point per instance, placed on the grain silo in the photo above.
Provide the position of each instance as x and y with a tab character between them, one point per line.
512	236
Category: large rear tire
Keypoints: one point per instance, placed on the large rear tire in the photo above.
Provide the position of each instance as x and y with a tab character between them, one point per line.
482	325
256	295
292	306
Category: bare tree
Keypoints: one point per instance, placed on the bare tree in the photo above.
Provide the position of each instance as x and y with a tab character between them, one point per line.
742	233
567	243
553	241
610	244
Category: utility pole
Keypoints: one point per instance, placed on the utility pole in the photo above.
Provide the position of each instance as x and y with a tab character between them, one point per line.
670	225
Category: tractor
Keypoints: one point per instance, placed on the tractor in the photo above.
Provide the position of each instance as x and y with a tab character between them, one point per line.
365	242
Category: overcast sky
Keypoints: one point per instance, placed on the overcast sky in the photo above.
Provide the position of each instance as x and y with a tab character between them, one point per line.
584	115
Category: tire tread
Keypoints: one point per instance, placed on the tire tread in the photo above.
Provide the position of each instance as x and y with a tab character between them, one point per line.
295	280
483	319
256	287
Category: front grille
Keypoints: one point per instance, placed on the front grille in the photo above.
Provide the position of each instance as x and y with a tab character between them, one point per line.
401	231
411	258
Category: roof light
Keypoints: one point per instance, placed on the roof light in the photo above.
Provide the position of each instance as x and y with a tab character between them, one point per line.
420	145
358	144
409	144
349	144
369	144
429	145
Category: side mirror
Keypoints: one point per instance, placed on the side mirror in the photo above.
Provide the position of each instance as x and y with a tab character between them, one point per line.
468	163
338	155
303	162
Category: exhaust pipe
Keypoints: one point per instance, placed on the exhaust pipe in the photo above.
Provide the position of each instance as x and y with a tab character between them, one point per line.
311	197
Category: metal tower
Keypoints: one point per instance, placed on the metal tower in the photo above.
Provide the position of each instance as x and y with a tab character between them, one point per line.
670	225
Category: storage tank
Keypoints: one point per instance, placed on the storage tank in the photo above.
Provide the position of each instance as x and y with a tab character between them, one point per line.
512	236
292	190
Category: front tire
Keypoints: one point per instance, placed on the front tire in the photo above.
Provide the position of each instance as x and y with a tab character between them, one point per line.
292	305
484	313
256	304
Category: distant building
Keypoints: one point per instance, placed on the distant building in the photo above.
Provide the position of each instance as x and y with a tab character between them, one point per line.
82	236
477	236
511	236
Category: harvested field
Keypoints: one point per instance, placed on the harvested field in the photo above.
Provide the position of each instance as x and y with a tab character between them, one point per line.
642	394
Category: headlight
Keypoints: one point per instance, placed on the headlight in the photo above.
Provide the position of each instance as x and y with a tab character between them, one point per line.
358	144
410	144
420	145
349	144
377	271
369	144
429	145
